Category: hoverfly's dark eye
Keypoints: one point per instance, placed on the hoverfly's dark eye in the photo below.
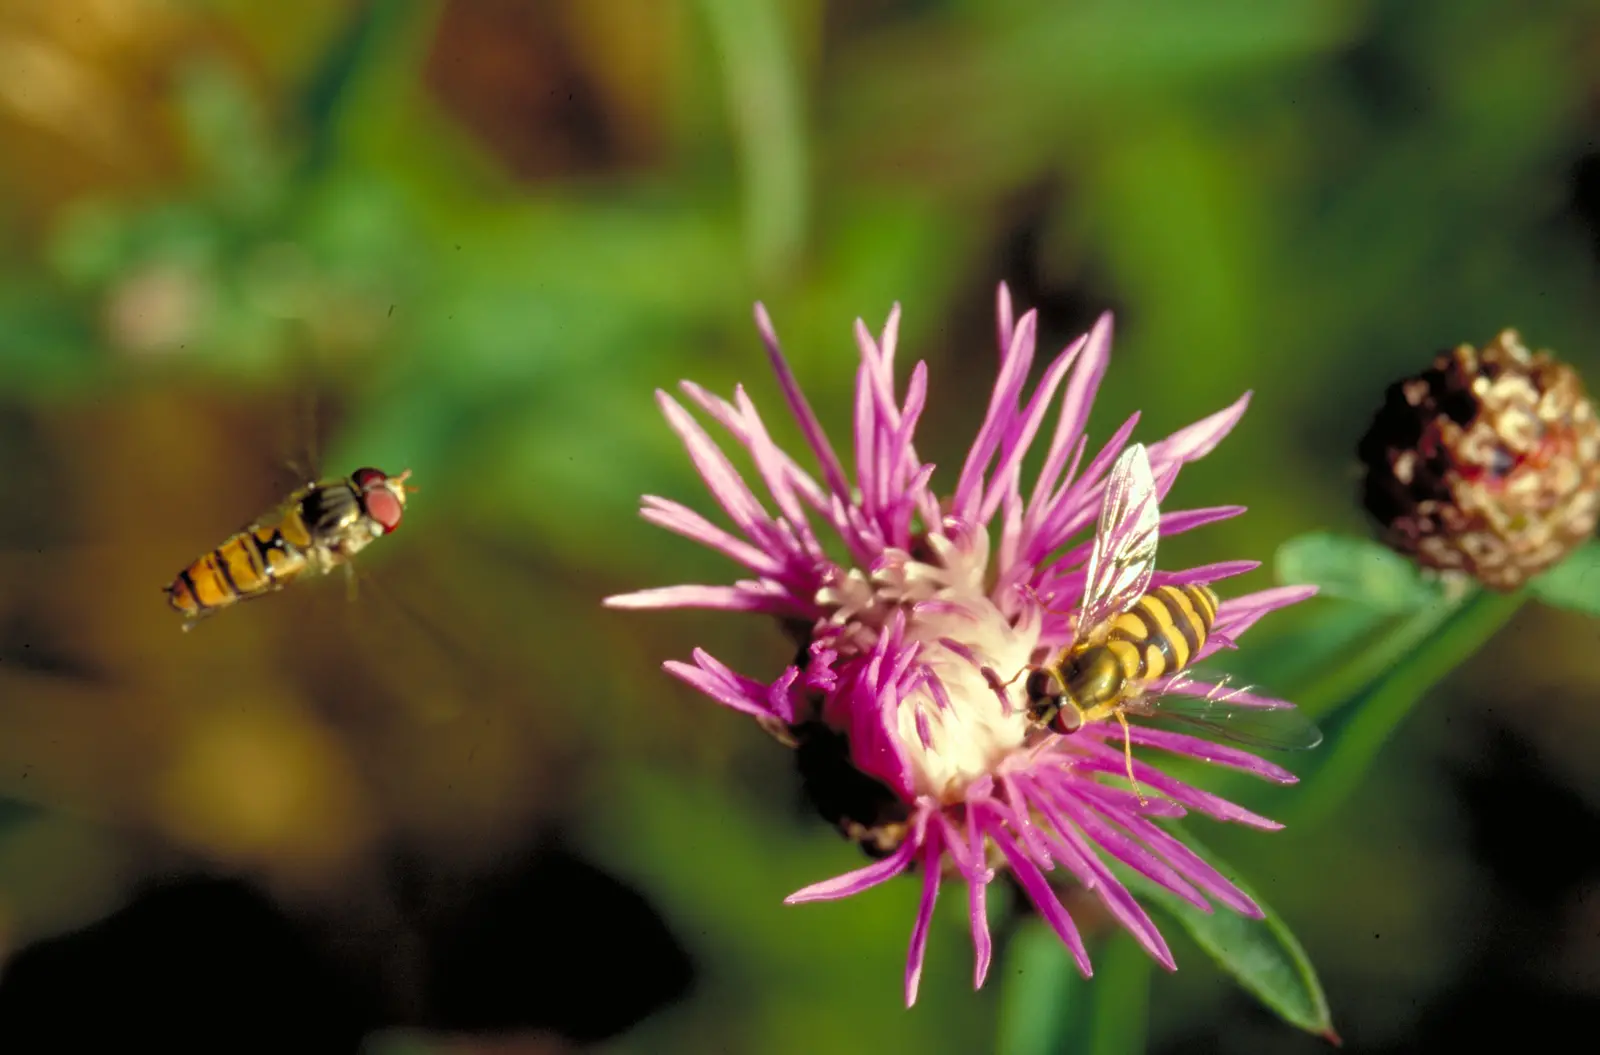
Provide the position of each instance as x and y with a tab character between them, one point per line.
1042	685
367	479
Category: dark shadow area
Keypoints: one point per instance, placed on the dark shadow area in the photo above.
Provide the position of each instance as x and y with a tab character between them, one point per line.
545	942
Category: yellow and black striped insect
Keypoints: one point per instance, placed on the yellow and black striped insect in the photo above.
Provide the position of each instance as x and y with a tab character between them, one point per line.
318	528
1128	637
1155	638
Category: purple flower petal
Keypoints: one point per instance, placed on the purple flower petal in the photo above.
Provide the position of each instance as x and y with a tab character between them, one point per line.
1197	440
919	930
723	685
982	946
681	520
860	879
1019	437
832	471
1189	519
1102	759
1004	316
1193	866
745	597
1096	824
1205	573
1203	750
1039	892
1113	895
1002	405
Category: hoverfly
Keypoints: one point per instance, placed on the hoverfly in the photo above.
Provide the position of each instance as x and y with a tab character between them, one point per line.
320	527
1127	637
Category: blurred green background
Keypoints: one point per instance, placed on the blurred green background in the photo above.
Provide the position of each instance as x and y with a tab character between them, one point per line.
471	237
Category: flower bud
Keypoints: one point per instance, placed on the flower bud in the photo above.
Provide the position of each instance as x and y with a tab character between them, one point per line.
1487	463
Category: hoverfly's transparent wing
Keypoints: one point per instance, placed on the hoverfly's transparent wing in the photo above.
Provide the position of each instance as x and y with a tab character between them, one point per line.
1272	728
1124	554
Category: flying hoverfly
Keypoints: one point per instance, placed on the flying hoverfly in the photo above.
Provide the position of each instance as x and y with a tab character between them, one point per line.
1127	637
320	527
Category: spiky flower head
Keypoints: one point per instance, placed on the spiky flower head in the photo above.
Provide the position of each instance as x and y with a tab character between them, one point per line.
909	735
1487	463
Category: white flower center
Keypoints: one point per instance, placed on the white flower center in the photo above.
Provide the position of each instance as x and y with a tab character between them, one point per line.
960	730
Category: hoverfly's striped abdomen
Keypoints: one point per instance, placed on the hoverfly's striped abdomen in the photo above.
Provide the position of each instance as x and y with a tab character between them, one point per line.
1163	632
320	527
249	564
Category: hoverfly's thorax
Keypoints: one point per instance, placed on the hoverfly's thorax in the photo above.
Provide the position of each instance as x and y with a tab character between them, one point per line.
1094	676
328	509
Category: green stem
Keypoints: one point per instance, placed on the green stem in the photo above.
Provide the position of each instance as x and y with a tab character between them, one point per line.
1369	664
1421	664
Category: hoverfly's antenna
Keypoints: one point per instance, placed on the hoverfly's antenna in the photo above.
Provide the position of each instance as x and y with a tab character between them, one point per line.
1033	595
409	489
999	687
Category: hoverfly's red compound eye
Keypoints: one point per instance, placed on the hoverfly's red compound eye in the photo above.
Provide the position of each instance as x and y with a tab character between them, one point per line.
382	498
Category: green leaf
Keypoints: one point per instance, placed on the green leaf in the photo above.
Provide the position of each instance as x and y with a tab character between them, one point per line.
1357	570
1574	583
1262	955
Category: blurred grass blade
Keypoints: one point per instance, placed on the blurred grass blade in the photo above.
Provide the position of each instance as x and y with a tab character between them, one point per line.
1360	729
1573	584
358	46
1044	1001
1120	999
761	80
1357	570
1047	1007
1262	955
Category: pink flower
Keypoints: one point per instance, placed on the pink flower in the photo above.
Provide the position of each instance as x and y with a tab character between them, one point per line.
907	738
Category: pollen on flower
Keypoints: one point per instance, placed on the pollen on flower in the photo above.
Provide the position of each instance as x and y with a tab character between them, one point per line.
954	724
906	703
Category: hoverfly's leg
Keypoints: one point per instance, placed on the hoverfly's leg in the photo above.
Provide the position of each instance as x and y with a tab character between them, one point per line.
350	585
1127	755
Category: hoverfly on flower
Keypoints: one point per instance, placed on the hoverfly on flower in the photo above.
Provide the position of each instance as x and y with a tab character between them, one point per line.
1128	639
